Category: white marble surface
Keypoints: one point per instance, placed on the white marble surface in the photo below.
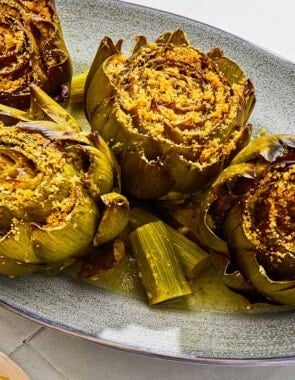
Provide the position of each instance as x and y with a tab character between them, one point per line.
50	355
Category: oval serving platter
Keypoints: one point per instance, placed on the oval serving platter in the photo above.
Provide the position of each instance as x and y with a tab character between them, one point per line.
116	319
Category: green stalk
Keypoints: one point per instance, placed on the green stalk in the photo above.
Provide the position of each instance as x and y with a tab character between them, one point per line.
193	258
77	87
160	270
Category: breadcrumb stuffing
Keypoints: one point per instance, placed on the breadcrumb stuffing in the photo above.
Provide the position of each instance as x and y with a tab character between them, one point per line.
180	87
269	216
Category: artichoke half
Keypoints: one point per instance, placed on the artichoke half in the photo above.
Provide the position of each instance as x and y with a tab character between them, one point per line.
57	198
32	49
173	115
247	220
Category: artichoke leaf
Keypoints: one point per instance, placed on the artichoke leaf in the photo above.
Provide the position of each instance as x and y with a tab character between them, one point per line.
12	267
17	244
279	291
53	131
9	115
98	87
191	217
234	74
233	230
42	106
188	176
140	42
287	140
236	282
201	210
99	176
199	222
100	143
230	69
119	133
207	236
233	171
71	237
176	37
106	49
150	177
268	147
114	217
52	109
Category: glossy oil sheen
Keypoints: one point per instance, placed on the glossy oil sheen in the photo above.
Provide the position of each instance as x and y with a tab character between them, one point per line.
205	328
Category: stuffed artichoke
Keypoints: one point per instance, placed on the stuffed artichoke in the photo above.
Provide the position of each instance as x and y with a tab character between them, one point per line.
173	115
57	198
247	220
32	49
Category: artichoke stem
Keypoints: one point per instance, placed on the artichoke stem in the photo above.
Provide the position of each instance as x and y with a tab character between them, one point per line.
77	88
193	258
160	270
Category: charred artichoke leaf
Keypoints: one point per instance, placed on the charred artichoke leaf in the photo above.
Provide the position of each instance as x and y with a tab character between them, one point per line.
104	260
168	109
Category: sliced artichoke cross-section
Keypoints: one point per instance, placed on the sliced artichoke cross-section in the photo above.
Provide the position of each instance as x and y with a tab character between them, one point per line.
172	114
52	179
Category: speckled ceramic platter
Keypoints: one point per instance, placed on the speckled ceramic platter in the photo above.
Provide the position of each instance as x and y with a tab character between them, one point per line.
119	320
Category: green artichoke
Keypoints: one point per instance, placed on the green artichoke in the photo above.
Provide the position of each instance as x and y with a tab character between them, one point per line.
57	189
173	115
247	220
32	49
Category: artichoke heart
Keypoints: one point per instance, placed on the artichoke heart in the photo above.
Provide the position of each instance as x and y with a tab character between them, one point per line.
172	114
252	206
52	179
32	50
